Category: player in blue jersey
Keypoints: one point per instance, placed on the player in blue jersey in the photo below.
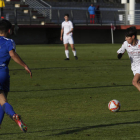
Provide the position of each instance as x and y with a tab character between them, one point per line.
7	51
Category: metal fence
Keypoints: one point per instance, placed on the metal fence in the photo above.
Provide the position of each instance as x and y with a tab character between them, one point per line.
77	16
129	17
114	16
81	16
92	1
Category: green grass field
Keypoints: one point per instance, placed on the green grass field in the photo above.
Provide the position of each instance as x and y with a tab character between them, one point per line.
68	100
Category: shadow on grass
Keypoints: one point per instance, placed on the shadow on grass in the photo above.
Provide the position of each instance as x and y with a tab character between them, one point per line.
75	88
76	129
52	68
92	127
47	68
18	133
118	59
128	111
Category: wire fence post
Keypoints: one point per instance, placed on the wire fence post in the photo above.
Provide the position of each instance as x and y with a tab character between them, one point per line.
50	13
30	16
114	19
101	19
15	13
0	12
45	20
72	16
87	18
58	17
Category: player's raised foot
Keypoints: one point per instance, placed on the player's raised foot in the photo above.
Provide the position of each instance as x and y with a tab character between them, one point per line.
76	57
19	122
67	59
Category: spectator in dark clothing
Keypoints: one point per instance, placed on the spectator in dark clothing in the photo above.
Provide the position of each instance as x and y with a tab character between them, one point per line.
98	13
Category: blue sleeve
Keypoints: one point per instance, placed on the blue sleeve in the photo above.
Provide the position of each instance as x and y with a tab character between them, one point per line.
10	45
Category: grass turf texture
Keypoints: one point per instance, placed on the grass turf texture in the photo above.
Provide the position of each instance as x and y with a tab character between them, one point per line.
68	100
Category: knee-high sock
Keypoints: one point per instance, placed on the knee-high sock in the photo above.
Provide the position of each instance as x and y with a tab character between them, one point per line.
1	114
8	109
67	53
74	53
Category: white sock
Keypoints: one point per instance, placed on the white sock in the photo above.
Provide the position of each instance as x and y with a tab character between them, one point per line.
67	53
74	53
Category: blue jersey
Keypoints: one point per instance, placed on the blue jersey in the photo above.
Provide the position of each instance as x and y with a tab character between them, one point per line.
6	45
91	10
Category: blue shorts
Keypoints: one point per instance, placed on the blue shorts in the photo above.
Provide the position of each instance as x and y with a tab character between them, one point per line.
4	81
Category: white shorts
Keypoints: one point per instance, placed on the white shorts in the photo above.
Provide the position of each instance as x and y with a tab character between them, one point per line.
136	71
68	39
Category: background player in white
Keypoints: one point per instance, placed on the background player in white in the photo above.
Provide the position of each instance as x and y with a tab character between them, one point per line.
132	46
66	32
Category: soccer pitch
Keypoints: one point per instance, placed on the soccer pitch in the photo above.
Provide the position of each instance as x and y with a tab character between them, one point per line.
68	100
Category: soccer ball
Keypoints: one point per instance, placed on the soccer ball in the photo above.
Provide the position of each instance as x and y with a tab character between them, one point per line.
114	105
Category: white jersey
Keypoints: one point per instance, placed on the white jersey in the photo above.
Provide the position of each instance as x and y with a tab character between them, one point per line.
133	53
67	26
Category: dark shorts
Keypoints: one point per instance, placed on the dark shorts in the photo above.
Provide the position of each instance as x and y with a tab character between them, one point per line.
4	81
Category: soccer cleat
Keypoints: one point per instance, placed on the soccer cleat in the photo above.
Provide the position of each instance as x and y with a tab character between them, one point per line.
76	57
67	59
19	122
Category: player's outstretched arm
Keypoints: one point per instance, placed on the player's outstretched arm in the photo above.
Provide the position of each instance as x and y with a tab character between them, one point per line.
18	60
121	51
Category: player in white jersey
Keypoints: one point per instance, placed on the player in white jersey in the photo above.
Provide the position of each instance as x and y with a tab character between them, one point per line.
67	32
132	46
